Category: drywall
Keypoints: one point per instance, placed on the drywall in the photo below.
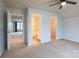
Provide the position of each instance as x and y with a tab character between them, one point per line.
15	10
45	25
1	30
2	9
71	29
26	26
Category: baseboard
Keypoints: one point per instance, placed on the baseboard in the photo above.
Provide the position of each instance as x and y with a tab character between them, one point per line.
1	51
45	41
70	40
29	44
59	38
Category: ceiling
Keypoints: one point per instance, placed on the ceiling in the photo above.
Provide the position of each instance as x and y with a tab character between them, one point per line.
66	12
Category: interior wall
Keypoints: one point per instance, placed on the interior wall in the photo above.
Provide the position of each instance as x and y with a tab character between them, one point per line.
45	28
2	10
15	10
71	29
26	26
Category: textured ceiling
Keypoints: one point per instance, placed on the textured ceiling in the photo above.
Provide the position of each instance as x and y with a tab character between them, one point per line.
66	12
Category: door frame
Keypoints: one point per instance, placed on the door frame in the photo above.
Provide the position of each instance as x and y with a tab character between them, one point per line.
9	17
37	14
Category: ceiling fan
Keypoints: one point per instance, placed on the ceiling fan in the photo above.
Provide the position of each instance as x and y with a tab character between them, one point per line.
63	2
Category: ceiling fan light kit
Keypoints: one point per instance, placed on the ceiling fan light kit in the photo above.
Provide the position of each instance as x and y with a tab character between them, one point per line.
63	2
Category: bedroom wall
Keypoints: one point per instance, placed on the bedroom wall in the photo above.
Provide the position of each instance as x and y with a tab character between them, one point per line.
45	28
2	10
71	29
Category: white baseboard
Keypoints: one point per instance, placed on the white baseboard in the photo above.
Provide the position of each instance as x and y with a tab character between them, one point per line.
45	41
1	51
71	40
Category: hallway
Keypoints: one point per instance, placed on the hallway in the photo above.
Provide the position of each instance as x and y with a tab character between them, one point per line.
15	39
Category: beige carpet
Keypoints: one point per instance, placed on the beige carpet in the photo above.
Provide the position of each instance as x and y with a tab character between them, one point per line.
60	49
15	39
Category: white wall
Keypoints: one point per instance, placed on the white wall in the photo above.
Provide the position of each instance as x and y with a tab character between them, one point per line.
2	9
71	29
45	29
26	26
15	10
1	30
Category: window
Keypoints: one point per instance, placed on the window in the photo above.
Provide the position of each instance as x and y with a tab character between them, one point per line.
19	26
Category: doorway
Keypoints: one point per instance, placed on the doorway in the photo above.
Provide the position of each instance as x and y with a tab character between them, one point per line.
36	29
15	30
53	28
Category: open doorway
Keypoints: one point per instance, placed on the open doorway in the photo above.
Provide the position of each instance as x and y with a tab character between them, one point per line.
15	30
53	28
36	29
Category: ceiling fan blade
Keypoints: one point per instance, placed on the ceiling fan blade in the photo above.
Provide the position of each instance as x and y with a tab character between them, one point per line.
71	2
54	3
60	7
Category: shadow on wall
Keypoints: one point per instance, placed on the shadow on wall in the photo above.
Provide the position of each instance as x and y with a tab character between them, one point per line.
26	27
5	30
